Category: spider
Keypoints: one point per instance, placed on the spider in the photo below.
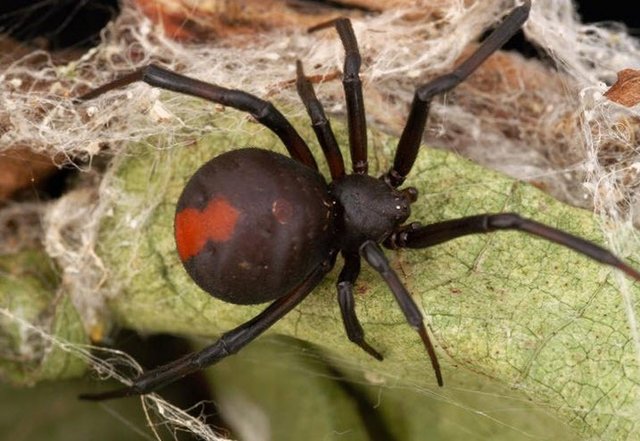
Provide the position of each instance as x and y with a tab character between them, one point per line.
253	226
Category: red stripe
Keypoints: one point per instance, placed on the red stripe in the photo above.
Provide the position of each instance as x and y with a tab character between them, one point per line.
194	228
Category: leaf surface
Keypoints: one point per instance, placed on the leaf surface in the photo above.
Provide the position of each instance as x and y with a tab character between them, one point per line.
504	307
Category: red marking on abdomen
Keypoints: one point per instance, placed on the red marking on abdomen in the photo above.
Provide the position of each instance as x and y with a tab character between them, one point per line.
194	228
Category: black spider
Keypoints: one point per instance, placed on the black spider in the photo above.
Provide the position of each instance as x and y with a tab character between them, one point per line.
254	226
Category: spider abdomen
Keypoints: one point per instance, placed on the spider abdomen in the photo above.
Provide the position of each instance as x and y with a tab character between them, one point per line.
252	224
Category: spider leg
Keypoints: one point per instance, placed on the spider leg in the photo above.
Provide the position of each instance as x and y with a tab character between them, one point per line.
376	258
411	137
229	343
416	236
347	278
320	123
261	110
356	116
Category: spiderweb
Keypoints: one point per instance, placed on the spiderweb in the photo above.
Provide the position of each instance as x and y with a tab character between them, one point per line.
555	129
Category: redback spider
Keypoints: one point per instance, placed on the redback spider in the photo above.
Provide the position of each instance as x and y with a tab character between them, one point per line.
253	226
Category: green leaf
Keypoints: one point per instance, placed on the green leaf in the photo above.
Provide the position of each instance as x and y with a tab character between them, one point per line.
29	294
299	392
51	411
504	308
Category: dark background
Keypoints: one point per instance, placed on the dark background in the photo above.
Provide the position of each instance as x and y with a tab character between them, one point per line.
66	23
620	11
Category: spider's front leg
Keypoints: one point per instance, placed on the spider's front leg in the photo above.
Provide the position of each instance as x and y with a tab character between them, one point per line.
356	117
418	236
229	343
411	137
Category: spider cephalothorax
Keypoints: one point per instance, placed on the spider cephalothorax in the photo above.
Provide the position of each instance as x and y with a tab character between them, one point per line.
368	209
254	226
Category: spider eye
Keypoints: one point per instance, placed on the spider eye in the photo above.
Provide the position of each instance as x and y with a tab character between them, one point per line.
402	210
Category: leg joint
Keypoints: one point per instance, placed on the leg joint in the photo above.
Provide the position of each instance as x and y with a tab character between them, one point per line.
438	85
503	221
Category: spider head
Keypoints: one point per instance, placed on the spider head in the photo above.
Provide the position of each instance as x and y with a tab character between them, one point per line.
369	209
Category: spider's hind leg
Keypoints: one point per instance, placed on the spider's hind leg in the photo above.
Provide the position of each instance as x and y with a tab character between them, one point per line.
263	111
229	343
320	123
